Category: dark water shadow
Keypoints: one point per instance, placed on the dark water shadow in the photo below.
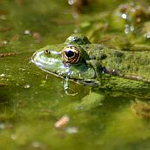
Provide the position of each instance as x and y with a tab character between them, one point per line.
4	97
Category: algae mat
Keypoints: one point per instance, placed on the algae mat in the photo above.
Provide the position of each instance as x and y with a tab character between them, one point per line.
31	101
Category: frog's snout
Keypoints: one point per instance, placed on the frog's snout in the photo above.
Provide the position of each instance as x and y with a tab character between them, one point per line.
33	58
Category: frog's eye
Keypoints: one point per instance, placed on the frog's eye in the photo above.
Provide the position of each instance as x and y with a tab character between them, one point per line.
47	51
70	54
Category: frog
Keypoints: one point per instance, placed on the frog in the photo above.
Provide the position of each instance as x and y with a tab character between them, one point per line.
96	65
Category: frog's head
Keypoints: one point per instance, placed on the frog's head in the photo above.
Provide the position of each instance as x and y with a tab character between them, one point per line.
67	60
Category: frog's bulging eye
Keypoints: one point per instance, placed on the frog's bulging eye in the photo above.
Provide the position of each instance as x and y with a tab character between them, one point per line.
70	54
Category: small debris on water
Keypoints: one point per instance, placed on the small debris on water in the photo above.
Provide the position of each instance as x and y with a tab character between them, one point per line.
70	2
43	82
72	130
27	32
62	122
36	144
3	43
2	75
37	37
7	54
2	126
27	86
46	110
3	17
5	126
13	136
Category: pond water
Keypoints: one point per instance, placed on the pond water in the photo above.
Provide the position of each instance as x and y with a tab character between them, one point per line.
32	101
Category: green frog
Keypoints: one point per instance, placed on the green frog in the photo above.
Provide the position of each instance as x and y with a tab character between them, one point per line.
96	65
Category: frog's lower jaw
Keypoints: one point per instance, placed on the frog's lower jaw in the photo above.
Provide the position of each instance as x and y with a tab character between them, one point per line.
90	82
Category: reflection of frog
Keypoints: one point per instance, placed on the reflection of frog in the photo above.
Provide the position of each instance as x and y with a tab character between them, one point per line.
96	65
127	27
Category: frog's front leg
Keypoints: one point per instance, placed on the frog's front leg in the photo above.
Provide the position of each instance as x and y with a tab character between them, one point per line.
67	90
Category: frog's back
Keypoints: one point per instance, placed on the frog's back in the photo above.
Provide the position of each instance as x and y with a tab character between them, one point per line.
129	64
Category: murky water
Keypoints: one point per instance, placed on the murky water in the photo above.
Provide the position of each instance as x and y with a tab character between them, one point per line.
31	101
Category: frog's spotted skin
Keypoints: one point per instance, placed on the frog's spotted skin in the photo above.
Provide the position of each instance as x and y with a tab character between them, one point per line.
96	65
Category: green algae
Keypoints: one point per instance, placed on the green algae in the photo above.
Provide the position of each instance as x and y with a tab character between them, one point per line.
31	101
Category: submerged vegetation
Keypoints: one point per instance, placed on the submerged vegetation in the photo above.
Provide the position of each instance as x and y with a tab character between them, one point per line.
35	112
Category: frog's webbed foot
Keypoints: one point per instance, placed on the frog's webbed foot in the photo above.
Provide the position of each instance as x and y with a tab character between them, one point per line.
67	90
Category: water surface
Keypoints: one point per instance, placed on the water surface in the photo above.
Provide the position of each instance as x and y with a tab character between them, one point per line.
31	101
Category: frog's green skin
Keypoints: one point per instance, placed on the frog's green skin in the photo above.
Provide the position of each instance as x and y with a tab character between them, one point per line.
99	66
